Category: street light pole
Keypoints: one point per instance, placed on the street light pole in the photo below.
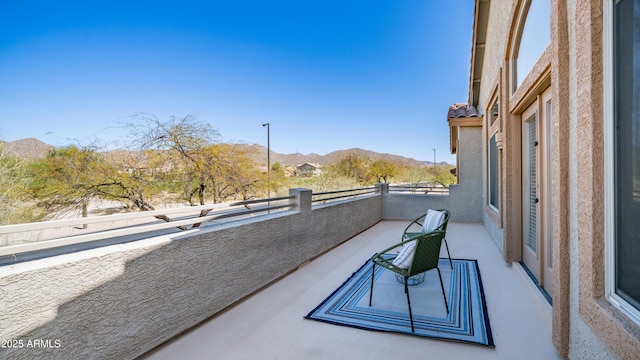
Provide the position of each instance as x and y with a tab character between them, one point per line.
268	159
434	158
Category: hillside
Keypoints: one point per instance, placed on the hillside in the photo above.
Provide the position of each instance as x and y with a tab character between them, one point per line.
296	159
27	149
31	148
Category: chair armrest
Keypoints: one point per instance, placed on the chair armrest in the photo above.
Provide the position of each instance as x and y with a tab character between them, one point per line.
394	246
417	221
388	263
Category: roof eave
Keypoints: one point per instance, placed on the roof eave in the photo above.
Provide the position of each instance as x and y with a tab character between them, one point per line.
480	21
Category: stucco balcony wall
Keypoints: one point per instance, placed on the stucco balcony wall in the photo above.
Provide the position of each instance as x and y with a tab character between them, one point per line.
409	206
122	300
465	198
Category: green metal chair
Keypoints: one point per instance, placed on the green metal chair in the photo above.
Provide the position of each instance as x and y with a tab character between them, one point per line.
407	234
424	258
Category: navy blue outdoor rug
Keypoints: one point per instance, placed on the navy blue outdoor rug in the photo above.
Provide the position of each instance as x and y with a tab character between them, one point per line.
467	320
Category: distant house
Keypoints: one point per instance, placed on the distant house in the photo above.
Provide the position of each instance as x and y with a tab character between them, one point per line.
308	169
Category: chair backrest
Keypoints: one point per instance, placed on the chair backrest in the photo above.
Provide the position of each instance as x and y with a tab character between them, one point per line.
434	220
427	252
443	226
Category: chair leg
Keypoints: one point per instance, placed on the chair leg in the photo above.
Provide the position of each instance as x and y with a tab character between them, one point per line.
373	268
447	246
406	290
443	295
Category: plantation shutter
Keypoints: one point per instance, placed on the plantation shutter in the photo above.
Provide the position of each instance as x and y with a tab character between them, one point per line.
531	196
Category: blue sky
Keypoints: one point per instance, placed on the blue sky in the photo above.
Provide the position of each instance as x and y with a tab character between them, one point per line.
327	75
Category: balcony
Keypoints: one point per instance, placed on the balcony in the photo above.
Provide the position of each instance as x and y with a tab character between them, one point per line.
240	289
270	324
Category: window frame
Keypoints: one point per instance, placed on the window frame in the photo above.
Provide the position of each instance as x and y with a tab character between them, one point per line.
522	17
493	177
493	130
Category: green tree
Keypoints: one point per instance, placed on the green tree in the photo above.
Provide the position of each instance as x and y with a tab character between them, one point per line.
69	178
132	178
66	179
416	175
443	176
278	178
352	166
383	170
232	173
277	171
194	160
184	146
14	197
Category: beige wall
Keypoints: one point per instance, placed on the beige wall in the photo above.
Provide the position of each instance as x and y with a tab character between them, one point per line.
616	330
496	45
465	198
585	325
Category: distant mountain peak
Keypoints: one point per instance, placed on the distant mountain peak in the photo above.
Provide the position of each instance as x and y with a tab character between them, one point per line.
28	149
32	148
334	156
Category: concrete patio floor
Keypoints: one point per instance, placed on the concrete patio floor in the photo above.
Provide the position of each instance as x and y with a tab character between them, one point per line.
270	324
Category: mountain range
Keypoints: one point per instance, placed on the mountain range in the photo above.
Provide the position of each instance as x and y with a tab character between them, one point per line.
32	148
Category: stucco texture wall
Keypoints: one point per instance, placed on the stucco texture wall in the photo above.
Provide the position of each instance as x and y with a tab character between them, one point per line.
466	196
495	49
464	201
583	326
120	301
